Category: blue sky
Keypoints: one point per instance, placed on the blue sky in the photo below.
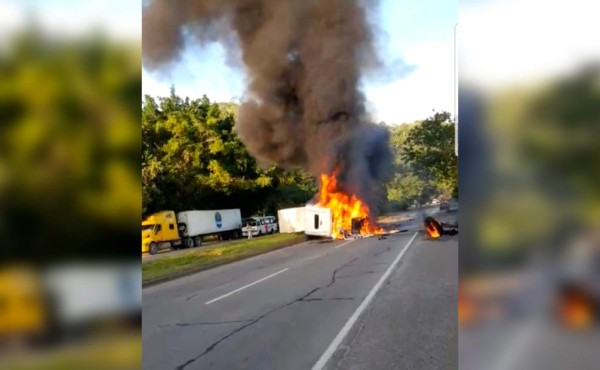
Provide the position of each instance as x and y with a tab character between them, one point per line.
419	33
416	33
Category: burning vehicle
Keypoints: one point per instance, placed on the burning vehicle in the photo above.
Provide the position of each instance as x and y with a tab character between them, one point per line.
577	286
337	214
435	229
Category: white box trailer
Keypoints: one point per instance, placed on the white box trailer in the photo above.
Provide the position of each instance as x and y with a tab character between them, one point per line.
291	220
224	222
317	221
84	293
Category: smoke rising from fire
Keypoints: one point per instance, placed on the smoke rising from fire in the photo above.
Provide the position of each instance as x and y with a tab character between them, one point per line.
304	59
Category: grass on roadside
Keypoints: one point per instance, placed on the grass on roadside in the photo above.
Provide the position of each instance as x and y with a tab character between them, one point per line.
207	256
122	351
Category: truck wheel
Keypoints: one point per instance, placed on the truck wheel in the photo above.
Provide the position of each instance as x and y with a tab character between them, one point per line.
189	242
198	241
235	234
153	248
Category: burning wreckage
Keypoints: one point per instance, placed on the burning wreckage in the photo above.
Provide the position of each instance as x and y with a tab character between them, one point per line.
435	229
338	215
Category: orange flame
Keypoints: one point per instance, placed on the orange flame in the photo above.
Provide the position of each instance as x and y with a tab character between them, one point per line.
576	310
344	208
467	312
432	231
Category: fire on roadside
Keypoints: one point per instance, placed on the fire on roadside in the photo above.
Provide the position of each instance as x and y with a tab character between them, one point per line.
432	231
432	228
576	309
344	208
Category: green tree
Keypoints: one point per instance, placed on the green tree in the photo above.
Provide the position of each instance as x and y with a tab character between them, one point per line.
429	150
193	159
406	186
69	146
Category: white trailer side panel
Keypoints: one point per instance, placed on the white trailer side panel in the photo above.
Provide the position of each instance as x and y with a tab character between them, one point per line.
317	221
291	220
210	222
86	292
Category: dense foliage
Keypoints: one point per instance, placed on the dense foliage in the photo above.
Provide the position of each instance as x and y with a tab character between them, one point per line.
425	162
193	159
69	147
543	187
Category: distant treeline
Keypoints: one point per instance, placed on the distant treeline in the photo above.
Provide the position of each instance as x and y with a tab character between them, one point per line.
193	159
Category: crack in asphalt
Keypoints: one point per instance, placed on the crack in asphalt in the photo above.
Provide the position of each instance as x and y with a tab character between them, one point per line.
202	323
259	318
382	251
328	299
358	274
338	269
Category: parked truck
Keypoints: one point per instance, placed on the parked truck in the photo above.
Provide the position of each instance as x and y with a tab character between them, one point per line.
291	220
46	306
186	230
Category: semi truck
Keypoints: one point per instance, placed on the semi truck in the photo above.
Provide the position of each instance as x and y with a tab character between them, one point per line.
291	220
46	306
163	230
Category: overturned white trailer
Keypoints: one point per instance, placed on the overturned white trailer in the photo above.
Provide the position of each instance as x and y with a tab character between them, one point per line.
291	220
317	221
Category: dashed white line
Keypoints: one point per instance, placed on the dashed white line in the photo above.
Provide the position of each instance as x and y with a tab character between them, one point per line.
246	286
352	320
341	245
515	348
314	257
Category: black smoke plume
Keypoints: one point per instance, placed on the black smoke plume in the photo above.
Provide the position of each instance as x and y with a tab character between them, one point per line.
304	59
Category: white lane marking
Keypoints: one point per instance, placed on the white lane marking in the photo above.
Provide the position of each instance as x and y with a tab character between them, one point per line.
341	245
246	286
313	257
352	320
522	341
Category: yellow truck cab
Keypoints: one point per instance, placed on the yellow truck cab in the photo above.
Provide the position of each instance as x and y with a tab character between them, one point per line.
186	229
159	228
23	312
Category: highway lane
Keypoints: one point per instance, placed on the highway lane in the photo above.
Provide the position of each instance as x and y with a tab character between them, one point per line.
412	323
280	310
534	343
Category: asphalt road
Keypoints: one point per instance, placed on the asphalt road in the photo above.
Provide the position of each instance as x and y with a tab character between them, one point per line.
528	343
362	304
524	331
